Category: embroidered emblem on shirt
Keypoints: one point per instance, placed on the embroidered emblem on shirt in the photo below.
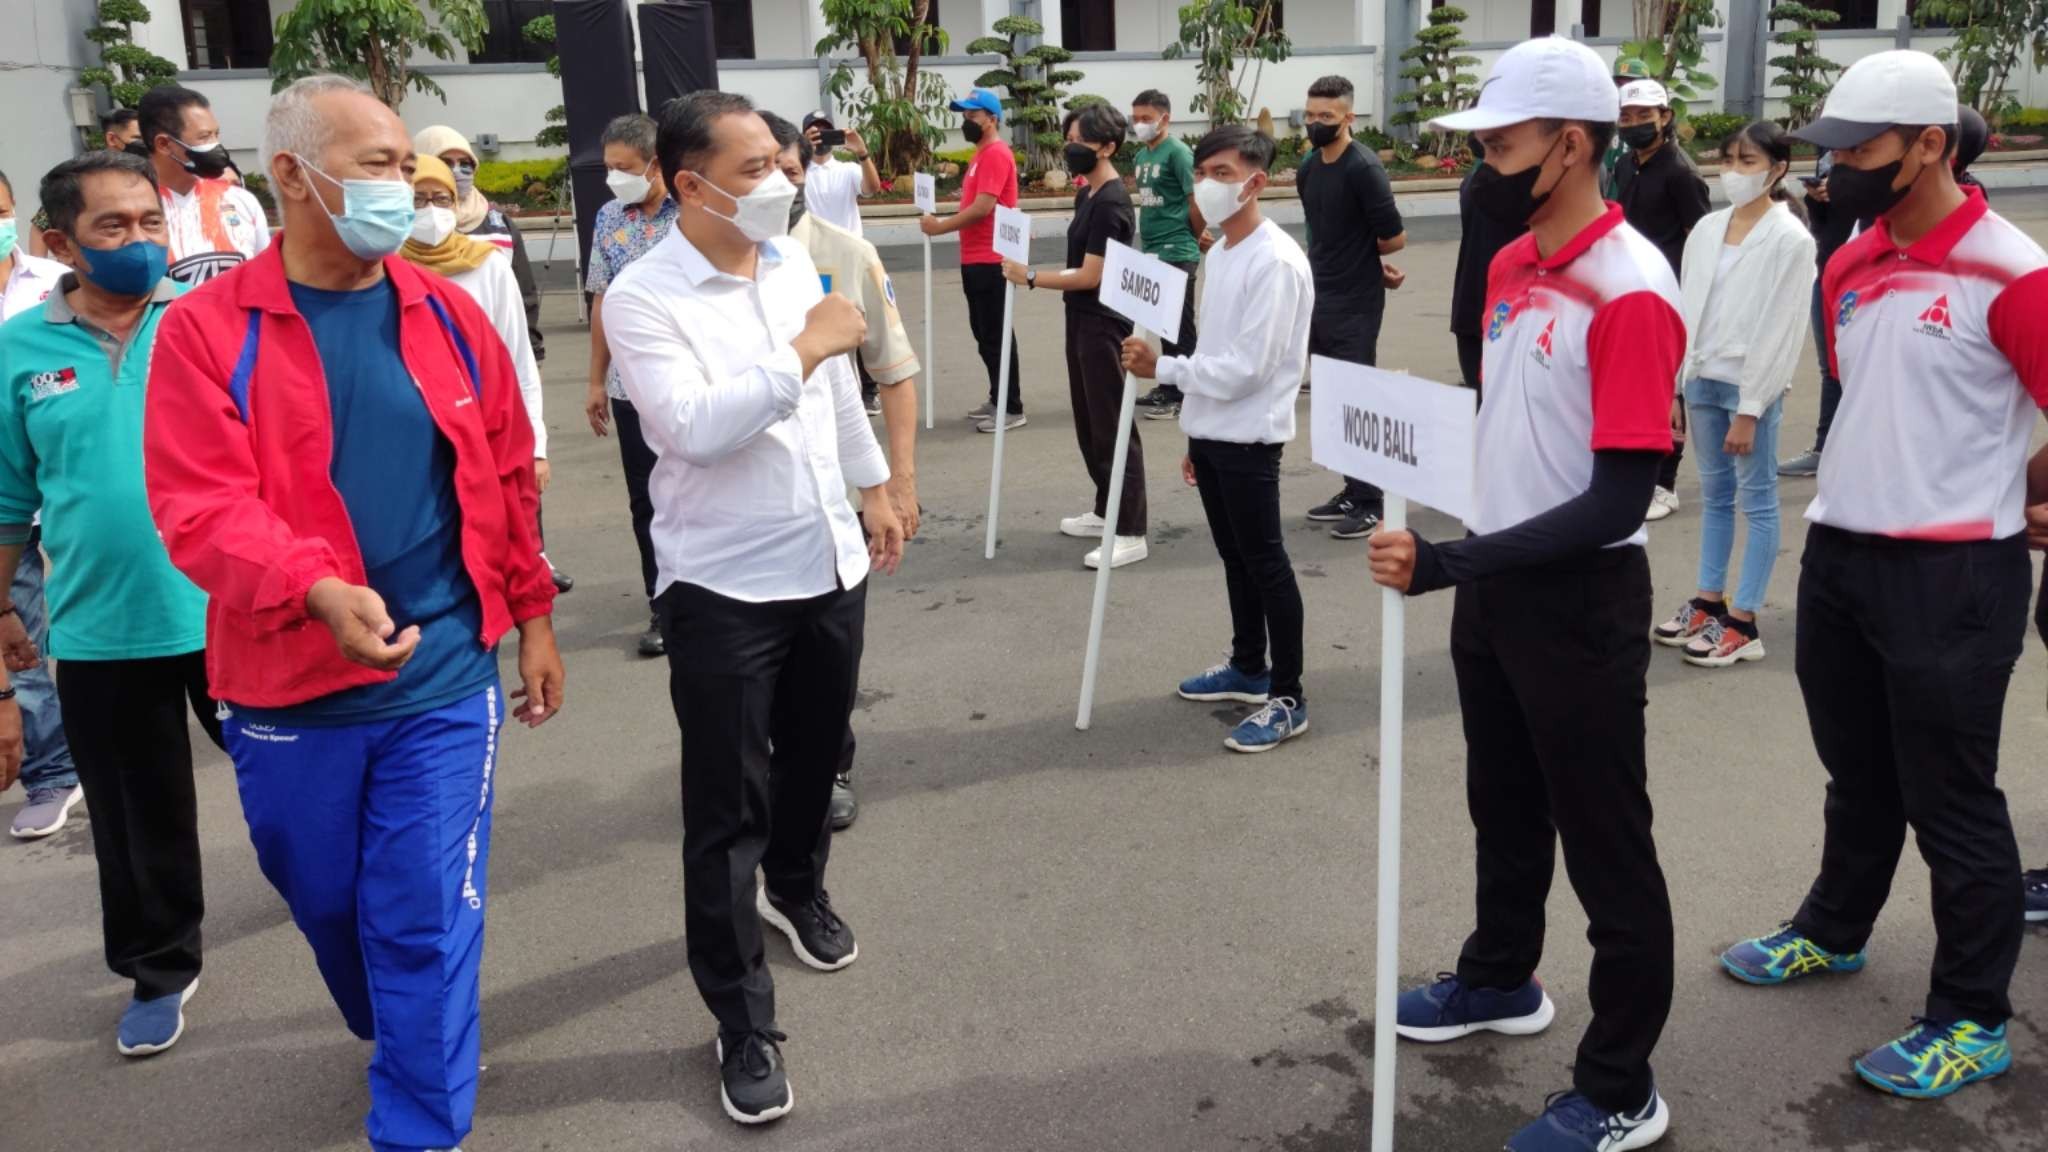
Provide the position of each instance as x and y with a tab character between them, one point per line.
1501	312
47	384
1542	352
1846	311
1935	321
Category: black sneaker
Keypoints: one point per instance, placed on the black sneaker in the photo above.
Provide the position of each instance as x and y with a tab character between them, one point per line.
1357	525
821	939
1167	411
563	582
651	643
844	806
752	1082
1157	396
873	403
1342	506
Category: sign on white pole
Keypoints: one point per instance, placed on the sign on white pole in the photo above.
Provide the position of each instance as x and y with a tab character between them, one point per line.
1411	437
1145	289
926	192
1148	292
1012	242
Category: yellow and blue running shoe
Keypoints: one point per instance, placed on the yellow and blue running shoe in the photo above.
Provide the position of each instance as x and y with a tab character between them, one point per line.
1935	1059
1785	955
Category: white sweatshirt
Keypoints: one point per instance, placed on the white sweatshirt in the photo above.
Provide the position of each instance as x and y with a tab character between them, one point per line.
1240	384
496	291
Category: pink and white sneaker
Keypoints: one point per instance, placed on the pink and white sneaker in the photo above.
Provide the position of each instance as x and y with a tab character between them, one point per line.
1718	646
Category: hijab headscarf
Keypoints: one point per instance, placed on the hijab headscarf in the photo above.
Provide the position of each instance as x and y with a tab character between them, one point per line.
456	252
470	209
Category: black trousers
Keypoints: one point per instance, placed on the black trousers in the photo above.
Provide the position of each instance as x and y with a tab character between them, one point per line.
125	722
1471	351
1350	330
1240	489
1667	473
638	461
1095	382
1830	385
1905	652
1551	666
984	285
1185	346
764	693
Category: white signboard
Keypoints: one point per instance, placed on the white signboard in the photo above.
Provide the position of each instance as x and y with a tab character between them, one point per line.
1405	434
1145	290
1013	235
926	191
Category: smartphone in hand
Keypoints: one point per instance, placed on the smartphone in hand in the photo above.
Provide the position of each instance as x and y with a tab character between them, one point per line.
832	137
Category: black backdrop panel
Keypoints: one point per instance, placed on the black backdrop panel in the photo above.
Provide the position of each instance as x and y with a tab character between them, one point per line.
679	48
595	41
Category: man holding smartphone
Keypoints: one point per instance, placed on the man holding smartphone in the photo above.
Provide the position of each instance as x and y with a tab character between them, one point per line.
833	187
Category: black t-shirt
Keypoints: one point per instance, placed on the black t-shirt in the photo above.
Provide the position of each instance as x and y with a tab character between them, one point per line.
1350	209
1481	237
1100	215
1662	197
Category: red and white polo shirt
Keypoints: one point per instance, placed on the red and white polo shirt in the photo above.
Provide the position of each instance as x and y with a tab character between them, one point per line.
1582	355
1942	350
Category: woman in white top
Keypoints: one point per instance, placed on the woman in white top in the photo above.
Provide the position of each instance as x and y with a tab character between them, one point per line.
1747	276
483	270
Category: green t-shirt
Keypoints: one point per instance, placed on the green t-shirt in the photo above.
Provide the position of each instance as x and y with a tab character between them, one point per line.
1166	178
71	445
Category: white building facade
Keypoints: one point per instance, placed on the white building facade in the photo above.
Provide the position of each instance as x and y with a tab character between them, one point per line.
767	51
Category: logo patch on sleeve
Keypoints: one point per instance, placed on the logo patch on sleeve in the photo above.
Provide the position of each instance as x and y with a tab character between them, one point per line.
44	385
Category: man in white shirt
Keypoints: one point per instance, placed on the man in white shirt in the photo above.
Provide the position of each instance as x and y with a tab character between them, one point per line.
1237	409
213	223
833	188
735	358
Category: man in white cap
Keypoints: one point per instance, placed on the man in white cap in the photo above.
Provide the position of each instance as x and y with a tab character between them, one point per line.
1913	589
1549	634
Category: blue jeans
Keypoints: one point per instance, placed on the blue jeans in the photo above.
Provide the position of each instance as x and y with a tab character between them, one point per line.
1722	478
378	836
46	757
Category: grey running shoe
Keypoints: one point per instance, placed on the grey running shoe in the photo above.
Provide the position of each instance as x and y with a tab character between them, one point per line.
1804	464
47	811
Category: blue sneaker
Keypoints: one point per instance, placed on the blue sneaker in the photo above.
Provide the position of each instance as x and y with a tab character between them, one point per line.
1224	682
1786	955
1935	1059
1572	1123
2036	883
1281	720
1451	1008
150	1026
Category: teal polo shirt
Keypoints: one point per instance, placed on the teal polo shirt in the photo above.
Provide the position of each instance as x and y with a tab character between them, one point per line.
71	445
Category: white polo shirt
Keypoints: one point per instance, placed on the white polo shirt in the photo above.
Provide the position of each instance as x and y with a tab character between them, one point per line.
749	487
832	192
1582	355
29	283
1942	350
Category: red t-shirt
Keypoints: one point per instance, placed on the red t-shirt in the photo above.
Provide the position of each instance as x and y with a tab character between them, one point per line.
993	170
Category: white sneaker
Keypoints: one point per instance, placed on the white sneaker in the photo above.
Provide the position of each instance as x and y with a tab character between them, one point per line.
1085	525
1129	550
1663	502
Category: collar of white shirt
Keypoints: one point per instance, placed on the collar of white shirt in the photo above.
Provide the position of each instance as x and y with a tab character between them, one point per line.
697	268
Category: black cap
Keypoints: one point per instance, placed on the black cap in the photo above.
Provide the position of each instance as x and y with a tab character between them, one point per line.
820	117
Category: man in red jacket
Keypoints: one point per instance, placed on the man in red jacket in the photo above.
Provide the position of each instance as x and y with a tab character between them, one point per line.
336	437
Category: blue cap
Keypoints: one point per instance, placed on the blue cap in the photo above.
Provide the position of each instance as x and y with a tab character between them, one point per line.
982	99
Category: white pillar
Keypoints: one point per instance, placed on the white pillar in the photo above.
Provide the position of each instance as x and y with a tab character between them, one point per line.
1049	15
1368	21
1569	14
164	34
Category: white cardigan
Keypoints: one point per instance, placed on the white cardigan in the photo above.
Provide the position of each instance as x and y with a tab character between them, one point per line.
1763	313
495	290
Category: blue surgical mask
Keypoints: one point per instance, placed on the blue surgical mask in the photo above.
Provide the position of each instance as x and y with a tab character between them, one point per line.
376	215
133	269
9	236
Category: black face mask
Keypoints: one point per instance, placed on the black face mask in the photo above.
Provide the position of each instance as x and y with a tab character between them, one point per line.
1081	159
207	165
796	207
1322	135
972	130
1862	193
1640	136
1510	200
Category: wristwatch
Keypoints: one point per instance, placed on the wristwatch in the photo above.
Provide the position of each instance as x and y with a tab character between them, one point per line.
1031	278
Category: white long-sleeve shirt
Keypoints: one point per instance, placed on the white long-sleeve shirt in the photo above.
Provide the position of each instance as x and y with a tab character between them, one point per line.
495	290
1754	316
749	486
1240	384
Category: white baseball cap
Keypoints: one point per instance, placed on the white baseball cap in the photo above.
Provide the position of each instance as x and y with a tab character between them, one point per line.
1550	78
1878	92
1645	94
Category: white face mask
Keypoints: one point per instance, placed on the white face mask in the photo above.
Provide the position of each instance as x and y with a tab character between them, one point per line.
431	225
763	214
629	188
1145	133
1743	187
1218	201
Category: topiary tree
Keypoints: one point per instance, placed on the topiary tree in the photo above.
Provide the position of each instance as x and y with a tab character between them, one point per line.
1436	63
555	133
375	41
901	111
1672	43
1226	36
1032	79
127	69
1803	72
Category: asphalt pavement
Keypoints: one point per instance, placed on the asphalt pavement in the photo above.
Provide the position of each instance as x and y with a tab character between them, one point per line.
1125	938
